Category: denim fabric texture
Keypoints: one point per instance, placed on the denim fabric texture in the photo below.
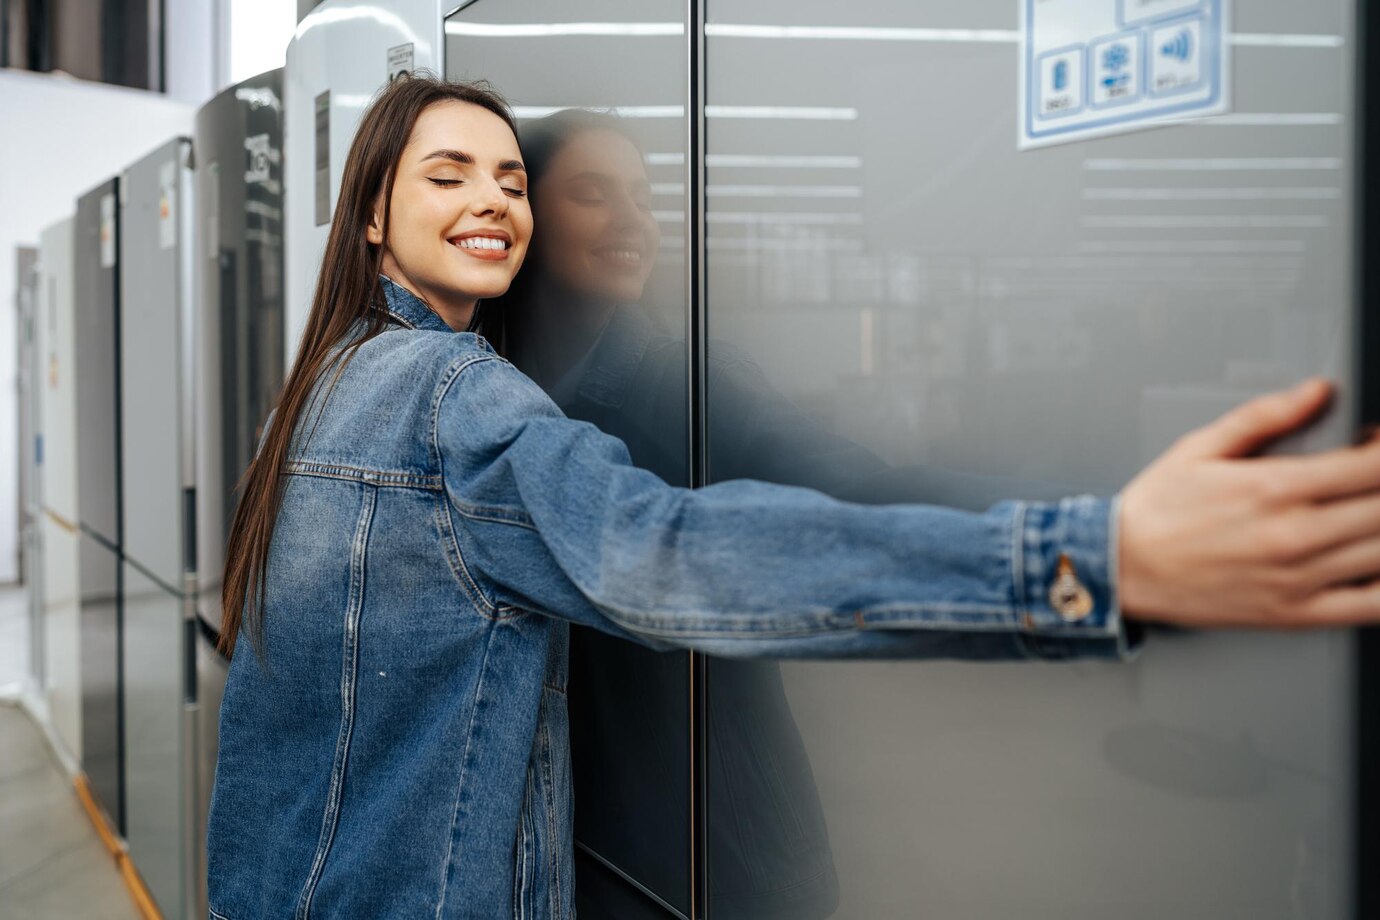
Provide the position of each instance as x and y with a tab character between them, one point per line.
400	748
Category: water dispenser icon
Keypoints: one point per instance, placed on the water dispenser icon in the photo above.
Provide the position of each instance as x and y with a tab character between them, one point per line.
1061	76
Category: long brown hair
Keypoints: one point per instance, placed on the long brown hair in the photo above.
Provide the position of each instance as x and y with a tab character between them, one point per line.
347	290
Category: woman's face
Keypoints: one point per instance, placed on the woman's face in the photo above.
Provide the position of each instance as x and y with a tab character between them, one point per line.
459	221
598	236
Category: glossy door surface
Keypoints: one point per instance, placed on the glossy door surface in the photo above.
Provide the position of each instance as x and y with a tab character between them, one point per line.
96	356
940	318
239	358
597	316
155	394
239	348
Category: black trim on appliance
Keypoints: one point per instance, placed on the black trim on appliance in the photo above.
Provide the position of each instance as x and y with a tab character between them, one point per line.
697	339
1366	778
120	192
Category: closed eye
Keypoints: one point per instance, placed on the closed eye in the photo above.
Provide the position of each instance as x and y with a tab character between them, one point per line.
444	183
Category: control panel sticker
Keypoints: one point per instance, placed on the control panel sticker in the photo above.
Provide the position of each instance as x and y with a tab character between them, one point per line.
1090	68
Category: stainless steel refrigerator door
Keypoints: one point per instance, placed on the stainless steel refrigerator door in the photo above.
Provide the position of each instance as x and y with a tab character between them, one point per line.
155	396
95	331
961	323
597	316
239	338
239	357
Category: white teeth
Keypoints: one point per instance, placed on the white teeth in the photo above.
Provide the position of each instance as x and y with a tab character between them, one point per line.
627	256
483	242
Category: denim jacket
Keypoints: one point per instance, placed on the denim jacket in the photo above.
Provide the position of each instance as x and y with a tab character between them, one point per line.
399	746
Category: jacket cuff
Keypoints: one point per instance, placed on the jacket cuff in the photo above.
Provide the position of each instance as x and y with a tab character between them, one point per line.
1064	569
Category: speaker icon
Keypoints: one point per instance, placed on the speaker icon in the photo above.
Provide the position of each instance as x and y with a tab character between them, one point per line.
1180	47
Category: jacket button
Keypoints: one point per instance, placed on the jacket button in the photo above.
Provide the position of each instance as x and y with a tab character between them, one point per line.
1067	595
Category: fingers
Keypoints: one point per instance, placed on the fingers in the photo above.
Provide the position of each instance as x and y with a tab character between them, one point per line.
1249	427
1345	565
1344	606
1327	476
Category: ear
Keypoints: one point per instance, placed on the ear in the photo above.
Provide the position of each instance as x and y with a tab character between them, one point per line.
374	232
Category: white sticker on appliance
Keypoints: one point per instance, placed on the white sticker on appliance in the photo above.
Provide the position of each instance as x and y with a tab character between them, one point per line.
400	61
1091	68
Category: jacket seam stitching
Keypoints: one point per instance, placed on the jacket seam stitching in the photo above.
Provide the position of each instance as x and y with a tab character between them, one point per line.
354	608
360	474
486	607
459	571
464	768
494	514
549	800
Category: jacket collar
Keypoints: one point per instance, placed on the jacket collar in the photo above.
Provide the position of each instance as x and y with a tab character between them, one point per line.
407	309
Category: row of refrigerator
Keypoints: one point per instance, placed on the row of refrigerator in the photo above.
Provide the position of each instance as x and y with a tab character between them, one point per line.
152	350
849	277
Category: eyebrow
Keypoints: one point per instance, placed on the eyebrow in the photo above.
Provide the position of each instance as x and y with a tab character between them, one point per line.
463	158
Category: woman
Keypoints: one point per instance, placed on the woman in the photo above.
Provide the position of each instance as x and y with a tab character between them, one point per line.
421	524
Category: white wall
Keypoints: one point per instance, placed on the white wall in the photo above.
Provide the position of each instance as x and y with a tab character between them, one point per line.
62	137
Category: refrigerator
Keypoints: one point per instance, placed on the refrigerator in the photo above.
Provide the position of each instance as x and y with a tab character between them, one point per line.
238	348
157	488
96	357
886	270
59	532
29	391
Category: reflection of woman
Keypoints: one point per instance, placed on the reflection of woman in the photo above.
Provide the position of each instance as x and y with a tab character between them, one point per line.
573	320
421	523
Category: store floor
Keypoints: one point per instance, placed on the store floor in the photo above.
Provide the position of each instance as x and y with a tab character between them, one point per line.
53	866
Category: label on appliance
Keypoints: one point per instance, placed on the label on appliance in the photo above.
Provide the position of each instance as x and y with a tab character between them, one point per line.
108	231
167	205
400	61
323	158
1091	68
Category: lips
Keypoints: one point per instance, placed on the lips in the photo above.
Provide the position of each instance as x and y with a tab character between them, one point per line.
488	245
620	256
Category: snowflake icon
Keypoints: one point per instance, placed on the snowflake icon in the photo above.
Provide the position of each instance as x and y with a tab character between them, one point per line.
1116	57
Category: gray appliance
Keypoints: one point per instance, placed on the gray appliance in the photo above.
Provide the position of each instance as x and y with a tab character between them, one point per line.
96	323
30	387
239	352
864	287
156	217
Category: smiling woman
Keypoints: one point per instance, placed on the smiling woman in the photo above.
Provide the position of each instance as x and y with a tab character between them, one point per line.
468	220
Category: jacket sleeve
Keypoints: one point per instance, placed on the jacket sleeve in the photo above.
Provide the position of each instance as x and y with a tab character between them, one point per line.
550	516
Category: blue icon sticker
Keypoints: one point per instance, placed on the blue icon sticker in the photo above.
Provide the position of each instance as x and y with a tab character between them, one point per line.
1116	69
1061	82
1091	68
1176	59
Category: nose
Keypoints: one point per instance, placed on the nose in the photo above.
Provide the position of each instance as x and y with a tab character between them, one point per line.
489	199
626	213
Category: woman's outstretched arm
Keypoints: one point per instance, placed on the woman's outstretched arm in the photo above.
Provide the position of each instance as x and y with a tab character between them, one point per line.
557	520
551	516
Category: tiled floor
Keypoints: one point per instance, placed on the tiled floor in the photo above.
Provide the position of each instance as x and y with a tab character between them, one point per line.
53	866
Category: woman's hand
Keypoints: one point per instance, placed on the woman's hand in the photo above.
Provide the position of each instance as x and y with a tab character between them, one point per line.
1211	536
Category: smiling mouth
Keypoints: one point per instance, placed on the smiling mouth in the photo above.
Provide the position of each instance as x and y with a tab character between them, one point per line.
622	258
489	248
